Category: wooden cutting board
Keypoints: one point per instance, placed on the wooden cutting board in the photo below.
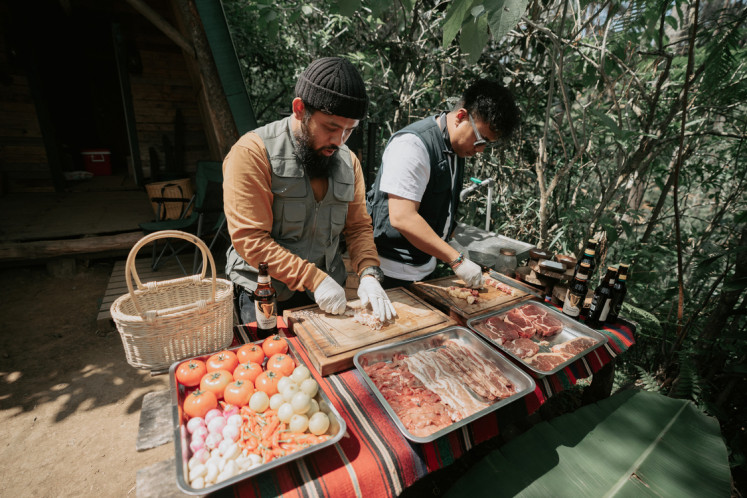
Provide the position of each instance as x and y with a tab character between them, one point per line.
333	340
437	292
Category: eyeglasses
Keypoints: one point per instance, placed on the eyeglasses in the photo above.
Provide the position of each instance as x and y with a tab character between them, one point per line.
480	140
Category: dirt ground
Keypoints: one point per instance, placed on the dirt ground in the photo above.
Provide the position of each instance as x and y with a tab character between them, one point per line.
70	403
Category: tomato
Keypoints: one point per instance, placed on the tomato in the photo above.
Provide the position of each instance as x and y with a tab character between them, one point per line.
282	364
274	345
198	403
190	372
238	393
216	382
267	382
225	360
247	371
250	353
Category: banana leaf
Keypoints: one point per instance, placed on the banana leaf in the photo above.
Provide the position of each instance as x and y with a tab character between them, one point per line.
635	443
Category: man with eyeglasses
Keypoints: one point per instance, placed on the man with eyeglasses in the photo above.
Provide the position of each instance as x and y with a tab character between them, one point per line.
291	188
414	200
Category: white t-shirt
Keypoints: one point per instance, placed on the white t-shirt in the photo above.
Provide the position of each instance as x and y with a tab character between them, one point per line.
406	169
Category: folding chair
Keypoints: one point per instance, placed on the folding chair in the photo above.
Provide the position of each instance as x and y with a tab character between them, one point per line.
209	206
205	219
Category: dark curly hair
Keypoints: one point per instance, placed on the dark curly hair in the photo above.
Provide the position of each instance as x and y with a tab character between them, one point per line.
492	103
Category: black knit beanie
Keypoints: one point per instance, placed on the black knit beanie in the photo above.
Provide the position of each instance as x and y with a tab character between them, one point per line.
333	85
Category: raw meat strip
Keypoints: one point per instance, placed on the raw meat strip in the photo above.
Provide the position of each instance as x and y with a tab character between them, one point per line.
574	346
522	347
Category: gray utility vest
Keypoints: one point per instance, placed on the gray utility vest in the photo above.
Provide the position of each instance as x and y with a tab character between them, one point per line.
308	229
434	206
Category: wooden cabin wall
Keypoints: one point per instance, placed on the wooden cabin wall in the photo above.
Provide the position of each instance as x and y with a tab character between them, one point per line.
161	90
22	154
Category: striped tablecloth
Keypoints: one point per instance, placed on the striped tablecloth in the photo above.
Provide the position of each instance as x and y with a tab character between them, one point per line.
374	459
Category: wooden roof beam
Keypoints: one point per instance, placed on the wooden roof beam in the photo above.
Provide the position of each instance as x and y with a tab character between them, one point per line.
162	24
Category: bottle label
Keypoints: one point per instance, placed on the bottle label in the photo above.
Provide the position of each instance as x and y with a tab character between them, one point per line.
263	279
605	311
267	314
571	304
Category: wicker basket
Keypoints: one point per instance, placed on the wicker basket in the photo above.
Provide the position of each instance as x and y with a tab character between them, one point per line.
164	322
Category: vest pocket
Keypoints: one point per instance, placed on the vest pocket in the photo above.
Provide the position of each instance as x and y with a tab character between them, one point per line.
337	222
442	177
342	191
292	221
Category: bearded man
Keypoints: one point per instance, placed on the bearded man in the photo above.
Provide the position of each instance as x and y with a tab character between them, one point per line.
292	187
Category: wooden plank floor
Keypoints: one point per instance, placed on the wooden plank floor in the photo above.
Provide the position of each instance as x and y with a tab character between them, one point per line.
168	270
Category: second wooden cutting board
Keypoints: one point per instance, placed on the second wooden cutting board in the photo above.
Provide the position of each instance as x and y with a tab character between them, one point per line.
490	299
333	340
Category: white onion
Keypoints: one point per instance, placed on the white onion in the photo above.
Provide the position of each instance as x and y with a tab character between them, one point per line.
285	412
310	387
313	408
216	425
301	402
283	384
212	414
276	400
318	423
259	401
290	391
298	423
194	423
230	433
300	374
198	483
213	440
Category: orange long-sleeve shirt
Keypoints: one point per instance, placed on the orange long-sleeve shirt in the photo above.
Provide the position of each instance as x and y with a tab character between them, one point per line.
247	200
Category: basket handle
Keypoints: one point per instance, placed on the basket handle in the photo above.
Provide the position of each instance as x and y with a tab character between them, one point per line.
131	271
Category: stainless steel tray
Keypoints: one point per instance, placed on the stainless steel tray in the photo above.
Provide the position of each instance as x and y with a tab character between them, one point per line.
181	441
523	382
571	330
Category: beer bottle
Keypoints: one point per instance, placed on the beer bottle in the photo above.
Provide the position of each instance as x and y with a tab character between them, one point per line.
588	257
265	304
600	303
618	293
576	293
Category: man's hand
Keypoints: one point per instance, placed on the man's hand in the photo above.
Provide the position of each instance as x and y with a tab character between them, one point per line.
370	291
471	273
330	297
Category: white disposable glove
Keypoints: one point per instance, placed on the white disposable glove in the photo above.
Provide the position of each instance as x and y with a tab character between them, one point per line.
330	297
370	291
470	273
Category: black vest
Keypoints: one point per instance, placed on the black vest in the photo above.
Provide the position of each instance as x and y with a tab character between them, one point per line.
434	206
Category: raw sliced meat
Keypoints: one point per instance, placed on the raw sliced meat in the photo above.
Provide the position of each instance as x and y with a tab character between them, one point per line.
499	330
506	289
364	316
524	325
498	383
547	361
574	346
470	295
521	347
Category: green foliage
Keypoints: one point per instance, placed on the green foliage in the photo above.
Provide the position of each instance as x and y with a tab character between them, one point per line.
648	381
601	94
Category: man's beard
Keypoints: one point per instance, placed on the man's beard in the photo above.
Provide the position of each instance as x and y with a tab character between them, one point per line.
314	162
